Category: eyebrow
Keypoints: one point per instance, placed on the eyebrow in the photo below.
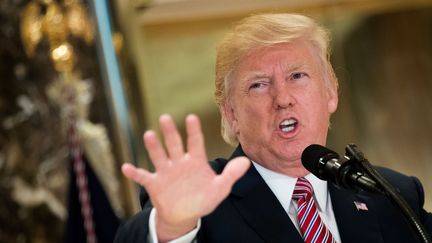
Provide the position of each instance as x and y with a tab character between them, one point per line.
294	66
258	74
254	75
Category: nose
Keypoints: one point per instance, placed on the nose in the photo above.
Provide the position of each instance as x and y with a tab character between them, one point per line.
283	96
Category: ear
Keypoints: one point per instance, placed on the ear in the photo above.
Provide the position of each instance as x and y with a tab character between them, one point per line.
228	112
332	98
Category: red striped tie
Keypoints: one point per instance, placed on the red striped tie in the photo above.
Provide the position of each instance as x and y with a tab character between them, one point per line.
311	226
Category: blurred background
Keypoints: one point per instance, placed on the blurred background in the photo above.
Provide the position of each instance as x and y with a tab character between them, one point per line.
87	78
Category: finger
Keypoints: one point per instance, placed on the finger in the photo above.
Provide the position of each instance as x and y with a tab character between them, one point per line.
195	138
138	175
155	150
173	142
232	172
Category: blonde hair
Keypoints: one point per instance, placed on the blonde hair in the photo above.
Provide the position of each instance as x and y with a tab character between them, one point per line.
260	31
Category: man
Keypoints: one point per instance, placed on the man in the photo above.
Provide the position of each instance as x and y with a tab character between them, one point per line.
276	90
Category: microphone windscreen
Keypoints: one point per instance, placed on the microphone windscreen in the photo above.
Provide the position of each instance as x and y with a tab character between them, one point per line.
311	156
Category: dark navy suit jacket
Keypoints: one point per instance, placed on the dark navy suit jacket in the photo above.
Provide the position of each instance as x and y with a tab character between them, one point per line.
252	213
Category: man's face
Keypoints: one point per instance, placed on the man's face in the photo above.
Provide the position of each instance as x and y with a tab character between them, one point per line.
280	103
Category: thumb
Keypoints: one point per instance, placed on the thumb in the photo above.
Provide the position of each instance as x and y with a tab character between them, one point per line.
138	175
233	171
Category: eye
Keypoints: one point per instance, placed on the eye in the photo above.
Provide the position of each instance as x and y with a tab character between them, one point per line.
256	86
298	75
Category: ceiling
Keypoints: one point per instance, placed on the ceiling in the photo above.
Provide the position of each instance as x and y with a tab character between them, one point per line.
153	12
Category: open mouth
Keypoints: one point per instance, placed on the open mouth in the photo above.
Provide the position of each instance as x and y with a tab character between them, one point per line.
288	125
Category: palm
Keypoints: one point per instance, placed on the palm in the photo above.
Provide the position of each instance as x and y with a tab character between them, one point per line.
184	187
190	177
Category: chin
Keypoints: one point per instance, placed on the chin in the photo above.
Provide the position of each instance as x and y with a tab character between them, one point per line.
303	172
292	152
296	170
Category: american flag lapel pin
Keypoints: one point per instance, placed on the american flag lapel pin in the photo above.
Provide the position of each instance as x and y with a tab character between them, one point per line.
361	206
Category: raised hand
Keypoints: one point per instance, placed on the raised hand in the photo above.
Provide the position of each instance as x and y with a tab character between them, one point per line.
183	188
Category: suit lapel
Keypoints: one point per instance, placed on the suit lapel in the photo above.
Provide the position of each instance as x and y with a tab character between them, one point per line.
261	210
353	223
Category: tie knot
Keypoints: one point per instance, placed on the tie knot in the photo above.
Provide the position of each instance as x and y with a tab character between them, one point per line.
303	189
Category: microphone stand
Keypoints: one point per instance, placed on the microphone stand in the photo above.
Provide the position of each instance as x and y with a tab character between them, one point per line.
357	156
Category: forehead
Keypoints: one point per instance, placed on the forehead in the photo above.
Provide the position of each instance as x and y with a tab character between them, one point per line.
285	56
263	61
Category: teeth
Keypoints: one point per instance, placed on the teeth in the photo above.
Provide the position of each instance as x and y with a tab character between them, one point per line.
288	125
288	122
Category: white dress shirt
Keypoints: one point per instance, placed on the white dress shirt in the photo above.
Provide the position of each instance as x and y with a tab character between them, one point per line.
282	187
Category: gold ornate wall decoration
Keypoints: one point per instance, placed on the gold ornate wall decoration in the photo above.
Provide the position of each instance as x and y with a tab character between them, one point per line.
58	23
78	21
31	27
61	21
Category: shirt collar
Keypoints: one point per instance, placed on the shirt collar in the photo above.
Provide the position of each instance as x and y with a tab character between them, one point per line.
282	186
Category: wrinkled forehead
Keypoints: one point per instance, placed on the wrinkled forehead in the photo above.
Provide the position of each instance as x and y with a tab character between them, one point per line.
286	57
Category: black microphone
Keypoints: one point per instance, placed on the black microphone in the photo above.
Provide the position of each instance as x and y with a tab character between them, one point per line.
327	165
